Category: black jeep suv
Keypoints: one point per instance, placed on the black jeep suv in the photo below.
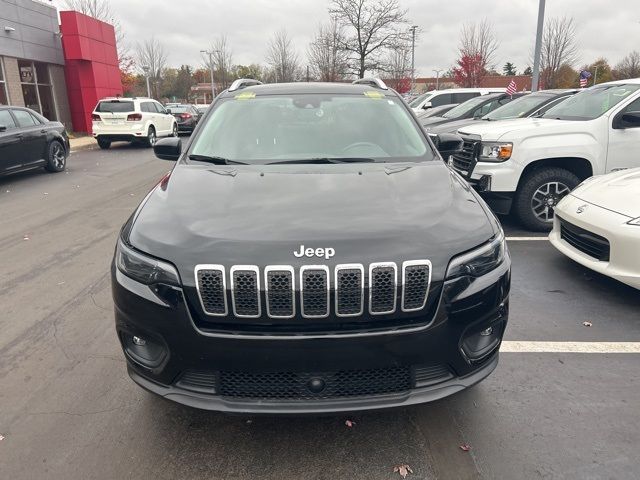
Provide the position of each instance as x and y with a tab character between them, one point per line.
310	252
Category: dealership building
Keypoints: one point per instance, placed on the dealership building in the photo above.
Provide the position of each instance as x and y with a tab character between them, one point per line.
57	67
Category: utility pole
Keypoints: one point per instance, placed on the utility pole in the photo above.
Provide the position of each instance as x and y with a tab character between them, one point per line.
145	69
595	75
213	87
536	55
413	57
437	70
307	73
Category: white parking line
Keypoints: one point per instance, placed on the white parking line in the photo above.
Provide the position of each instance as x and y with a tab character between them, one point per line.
525	239
569	347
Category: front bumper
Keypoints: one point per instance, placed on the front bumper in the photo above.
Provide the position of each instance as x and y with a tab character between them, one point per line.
465	309
624	240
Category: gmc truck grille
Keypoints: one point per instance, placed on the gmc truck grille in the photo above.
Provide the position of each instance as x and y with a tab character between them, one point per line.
585	241
464	161
312	287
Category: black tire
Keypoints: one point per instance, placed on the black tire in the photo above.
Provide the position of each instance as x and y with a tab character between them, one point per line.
56	157
175	132
151	137
103	143
539	192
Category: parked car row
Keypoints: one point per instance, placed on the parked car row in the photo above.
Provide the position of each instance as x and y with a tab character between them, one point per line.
141	120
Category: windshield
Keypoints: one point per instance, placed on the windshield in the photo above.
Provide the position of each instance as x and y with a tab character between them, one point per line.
415	103
519	107
179	109
115	106
466	107
265	129
592	102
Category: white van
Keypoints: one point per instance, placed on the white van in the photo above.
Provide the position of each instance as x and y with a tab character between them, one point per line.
436	98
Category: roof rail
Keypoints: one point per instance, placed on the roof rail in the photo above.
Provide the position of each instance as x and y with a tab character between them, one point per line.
374	82
242	83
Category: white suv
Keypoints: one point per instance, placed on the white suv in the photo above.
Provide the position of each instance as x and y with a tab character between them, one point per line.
131	120
437	98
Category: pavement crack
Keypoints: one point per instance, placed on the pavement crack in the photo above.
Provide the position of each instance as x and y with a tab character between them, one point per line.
82	414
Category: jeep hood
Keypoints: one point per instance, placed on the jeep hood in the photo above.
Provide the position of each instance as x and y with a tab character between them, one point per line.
260	215
519	128
619	192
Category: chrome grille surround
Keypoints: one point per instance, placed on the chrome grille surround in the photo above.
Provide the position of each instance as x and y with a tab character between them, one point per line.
319	295
240	293
344	269
271	295
407	267
383	269
212	268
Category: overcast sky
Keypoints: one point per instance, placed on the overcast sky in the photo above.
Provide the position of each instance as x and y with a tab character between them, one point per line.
610	29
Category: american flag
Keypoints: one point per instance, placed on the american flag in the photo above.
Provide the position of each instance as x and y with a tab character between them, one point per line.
512	88
584	78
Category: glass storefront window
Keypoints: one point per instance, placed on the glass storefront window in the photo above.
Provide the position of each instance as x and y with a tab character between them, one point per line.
30	96
36	88
46	100
4	98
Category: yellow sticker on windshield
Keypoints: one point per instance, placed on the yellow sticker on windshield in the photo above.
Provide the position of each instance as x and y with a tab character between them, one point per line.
245	96
373	94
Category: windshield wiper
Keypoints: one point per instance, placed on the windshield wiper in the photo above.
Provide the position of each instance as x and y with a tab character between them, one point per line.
321	160
215	160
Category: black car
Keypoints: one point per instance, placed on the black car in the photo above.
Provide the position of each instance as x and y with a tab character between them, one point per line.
475	108
28	140
531	105
187	116
310	252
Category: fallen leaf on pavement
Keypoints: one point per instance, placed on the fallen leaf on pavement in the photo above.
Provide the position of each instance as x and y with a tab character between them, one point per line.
465	447
46	193
587	324
349	423
26	237
1	438
402	470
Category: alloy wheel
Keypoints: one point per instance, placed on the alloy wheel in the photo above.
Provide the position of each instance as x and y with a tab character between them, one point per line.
545	198
58	156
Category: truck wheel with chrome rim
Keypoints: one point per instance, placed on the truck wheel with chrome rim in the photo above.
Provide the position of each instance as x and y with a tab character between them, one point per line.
539	193
56	157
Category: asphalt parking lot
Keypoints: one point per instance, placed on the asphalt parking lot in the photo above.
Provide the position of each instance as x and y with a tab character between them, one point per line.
68	410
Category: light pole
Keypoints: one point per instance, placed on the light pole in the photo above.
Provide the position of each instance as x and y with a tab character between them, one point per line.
213	87
536	55
413	56
595	75
437	70
145	69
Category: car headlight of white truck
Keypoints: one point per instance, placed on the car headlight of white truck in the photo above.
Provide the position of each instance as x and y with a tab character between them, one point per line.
495	151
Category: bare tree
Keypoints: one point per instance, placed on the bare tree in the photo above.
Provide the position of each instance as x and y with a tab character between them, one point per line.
282	57
327	60
629	66
558	48
372	27
152	54
222	58
397	64
478	40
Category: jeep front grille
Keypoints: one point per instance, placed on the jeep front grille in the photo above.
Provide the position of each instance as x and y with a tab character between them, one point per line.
316	290
245	291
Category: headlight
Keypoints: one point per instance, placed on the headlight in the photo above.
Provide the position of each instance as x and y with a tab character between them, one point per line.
495	151
144	269
479	261
635	221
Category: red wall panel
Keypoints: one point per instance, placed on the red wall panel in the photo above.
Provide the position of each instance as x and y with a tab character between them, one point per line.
91	65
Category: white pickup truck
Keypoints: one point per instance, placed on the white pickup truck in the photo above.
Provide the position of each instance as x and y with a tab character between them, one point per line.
527	165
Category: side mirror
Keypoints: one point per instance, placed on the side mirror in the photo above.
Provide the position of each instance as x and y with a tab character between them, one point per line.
627	120
168	148
427	105
447	144
168	110
3	128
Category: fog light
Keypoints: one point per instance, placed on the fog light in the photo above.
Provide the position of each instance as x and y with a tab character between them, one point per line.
139	341
146	351
485	333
